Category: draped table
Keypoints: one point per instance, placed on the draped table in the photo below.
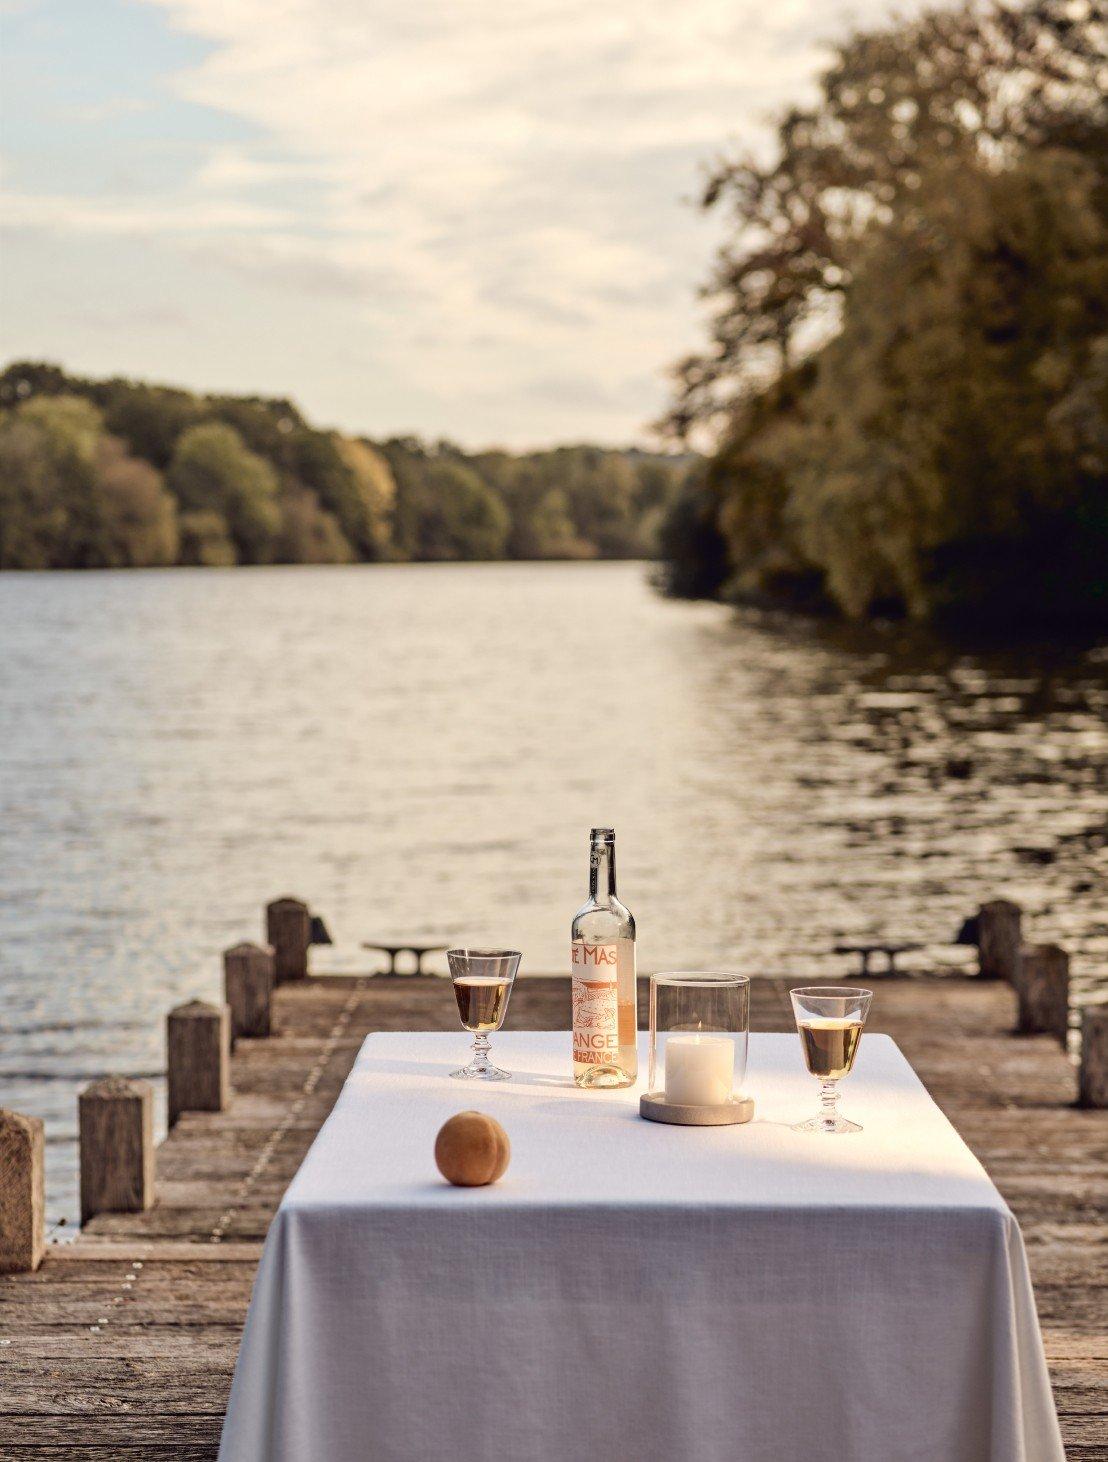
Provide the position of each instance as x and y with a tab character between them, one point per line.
637	1292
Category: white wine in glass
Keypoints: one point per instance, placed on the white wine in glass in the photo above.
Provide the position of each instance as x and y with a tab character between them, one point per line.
829	1045
483	980
829	1020
482	1001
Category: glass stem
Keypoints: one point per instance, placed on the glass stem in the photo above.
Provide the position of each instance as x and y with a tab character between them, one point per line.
828	1104
480	1052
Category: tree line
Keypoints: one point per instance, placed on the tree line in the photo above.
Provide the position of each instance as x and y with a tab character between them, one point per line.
118	473
906	384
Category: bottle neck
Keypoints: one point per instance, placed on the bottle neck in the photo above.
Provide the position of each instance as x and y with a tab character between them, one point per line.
602	870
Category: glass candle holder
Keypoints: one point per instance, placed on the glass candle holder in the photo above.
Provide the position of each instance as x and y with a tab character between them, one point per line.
699	1033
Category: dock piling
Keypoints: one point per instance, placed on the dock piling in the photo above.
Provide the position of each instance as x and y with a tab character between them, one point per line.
288	925
198	1054
115	1119
1043	988
998	940
247	988
1093	1077
22	1193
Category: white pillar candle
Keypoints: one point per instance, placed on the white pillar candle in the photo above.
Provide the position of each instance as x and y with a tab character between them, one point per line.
699	1070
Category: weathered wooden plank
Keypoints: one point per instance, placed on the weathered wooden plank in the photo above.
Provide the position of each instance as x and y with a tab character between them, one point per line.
95	1385
127	1433
168	1343
1069	1346
106	1251
1079	1307
250	1221
85	1450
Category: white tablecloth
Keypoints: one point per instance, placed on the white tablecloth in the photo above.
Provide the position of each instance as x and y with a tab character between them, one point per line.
639	1293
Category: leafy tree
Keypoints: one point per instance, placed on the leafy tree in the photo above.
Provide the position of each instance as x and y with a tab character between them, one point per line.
602	491
150	419
212	471
70	426
693	550
932	451
138	517
976	83
547	530
582	502
72	497
310	534
267	426
443	509
542	523
26	379
350	482
917	465
205	540
374	493
32	510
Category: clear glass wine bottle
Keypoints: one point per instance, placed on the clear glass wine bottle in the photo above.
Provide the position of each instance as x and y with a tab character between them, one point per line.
605	1016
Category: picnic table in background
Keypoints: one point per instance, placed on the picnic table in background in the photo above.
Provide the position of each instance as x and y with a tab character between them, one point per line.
406	946
867	948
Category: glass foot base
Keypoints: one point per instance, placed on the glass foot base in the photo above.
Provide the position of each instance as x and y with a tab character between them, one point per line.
482	1073
827	1124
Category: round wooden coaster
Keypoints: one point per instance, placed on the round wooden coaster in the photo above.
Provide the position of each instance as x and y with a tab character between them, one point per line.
654	1107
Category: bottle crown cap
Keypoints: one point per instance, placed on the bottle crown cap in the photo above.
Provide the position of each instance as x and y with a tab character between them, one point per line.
607	833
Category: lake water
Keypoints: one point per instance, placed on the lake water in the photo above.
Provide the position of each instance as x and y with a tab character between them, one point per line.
421	750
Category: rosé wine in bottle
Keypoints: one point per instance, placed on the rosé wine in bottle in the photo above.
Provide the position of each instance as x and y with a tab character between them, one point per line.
605	1015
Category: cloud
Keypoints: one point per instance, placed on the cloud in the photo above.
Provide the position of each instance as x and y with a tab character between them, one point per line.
500	190
158	318
286	263
117	106
232	168
124	214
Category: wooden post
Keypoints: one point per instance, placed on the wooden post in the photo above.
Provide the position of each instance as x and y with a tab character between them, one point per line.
22	1193
1092	1088
1043	987
247	987
198	1056
115	1119
998	940
288	926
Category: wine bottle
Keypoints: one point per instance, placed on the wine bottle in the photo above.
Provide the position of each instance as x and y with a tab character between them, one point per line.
605	1015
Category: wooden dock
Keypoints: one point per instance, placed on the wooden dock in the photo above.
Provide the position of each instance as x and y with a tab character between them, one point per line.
121	1346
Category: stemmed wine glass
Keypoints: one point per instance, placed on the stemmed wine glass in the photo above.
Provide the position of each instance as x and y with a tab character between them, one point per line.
483	980
829	1019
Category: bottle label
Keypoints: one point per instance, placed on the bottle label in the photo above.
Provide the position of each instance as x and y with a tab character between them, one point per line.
595	1003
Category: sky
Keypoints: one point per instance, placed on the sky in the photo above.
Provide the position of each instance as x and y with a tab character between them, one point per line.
470	219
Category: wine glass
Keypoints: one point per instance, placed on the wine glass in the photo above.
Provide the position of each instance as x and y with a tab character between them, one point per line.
829	1019
483	980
